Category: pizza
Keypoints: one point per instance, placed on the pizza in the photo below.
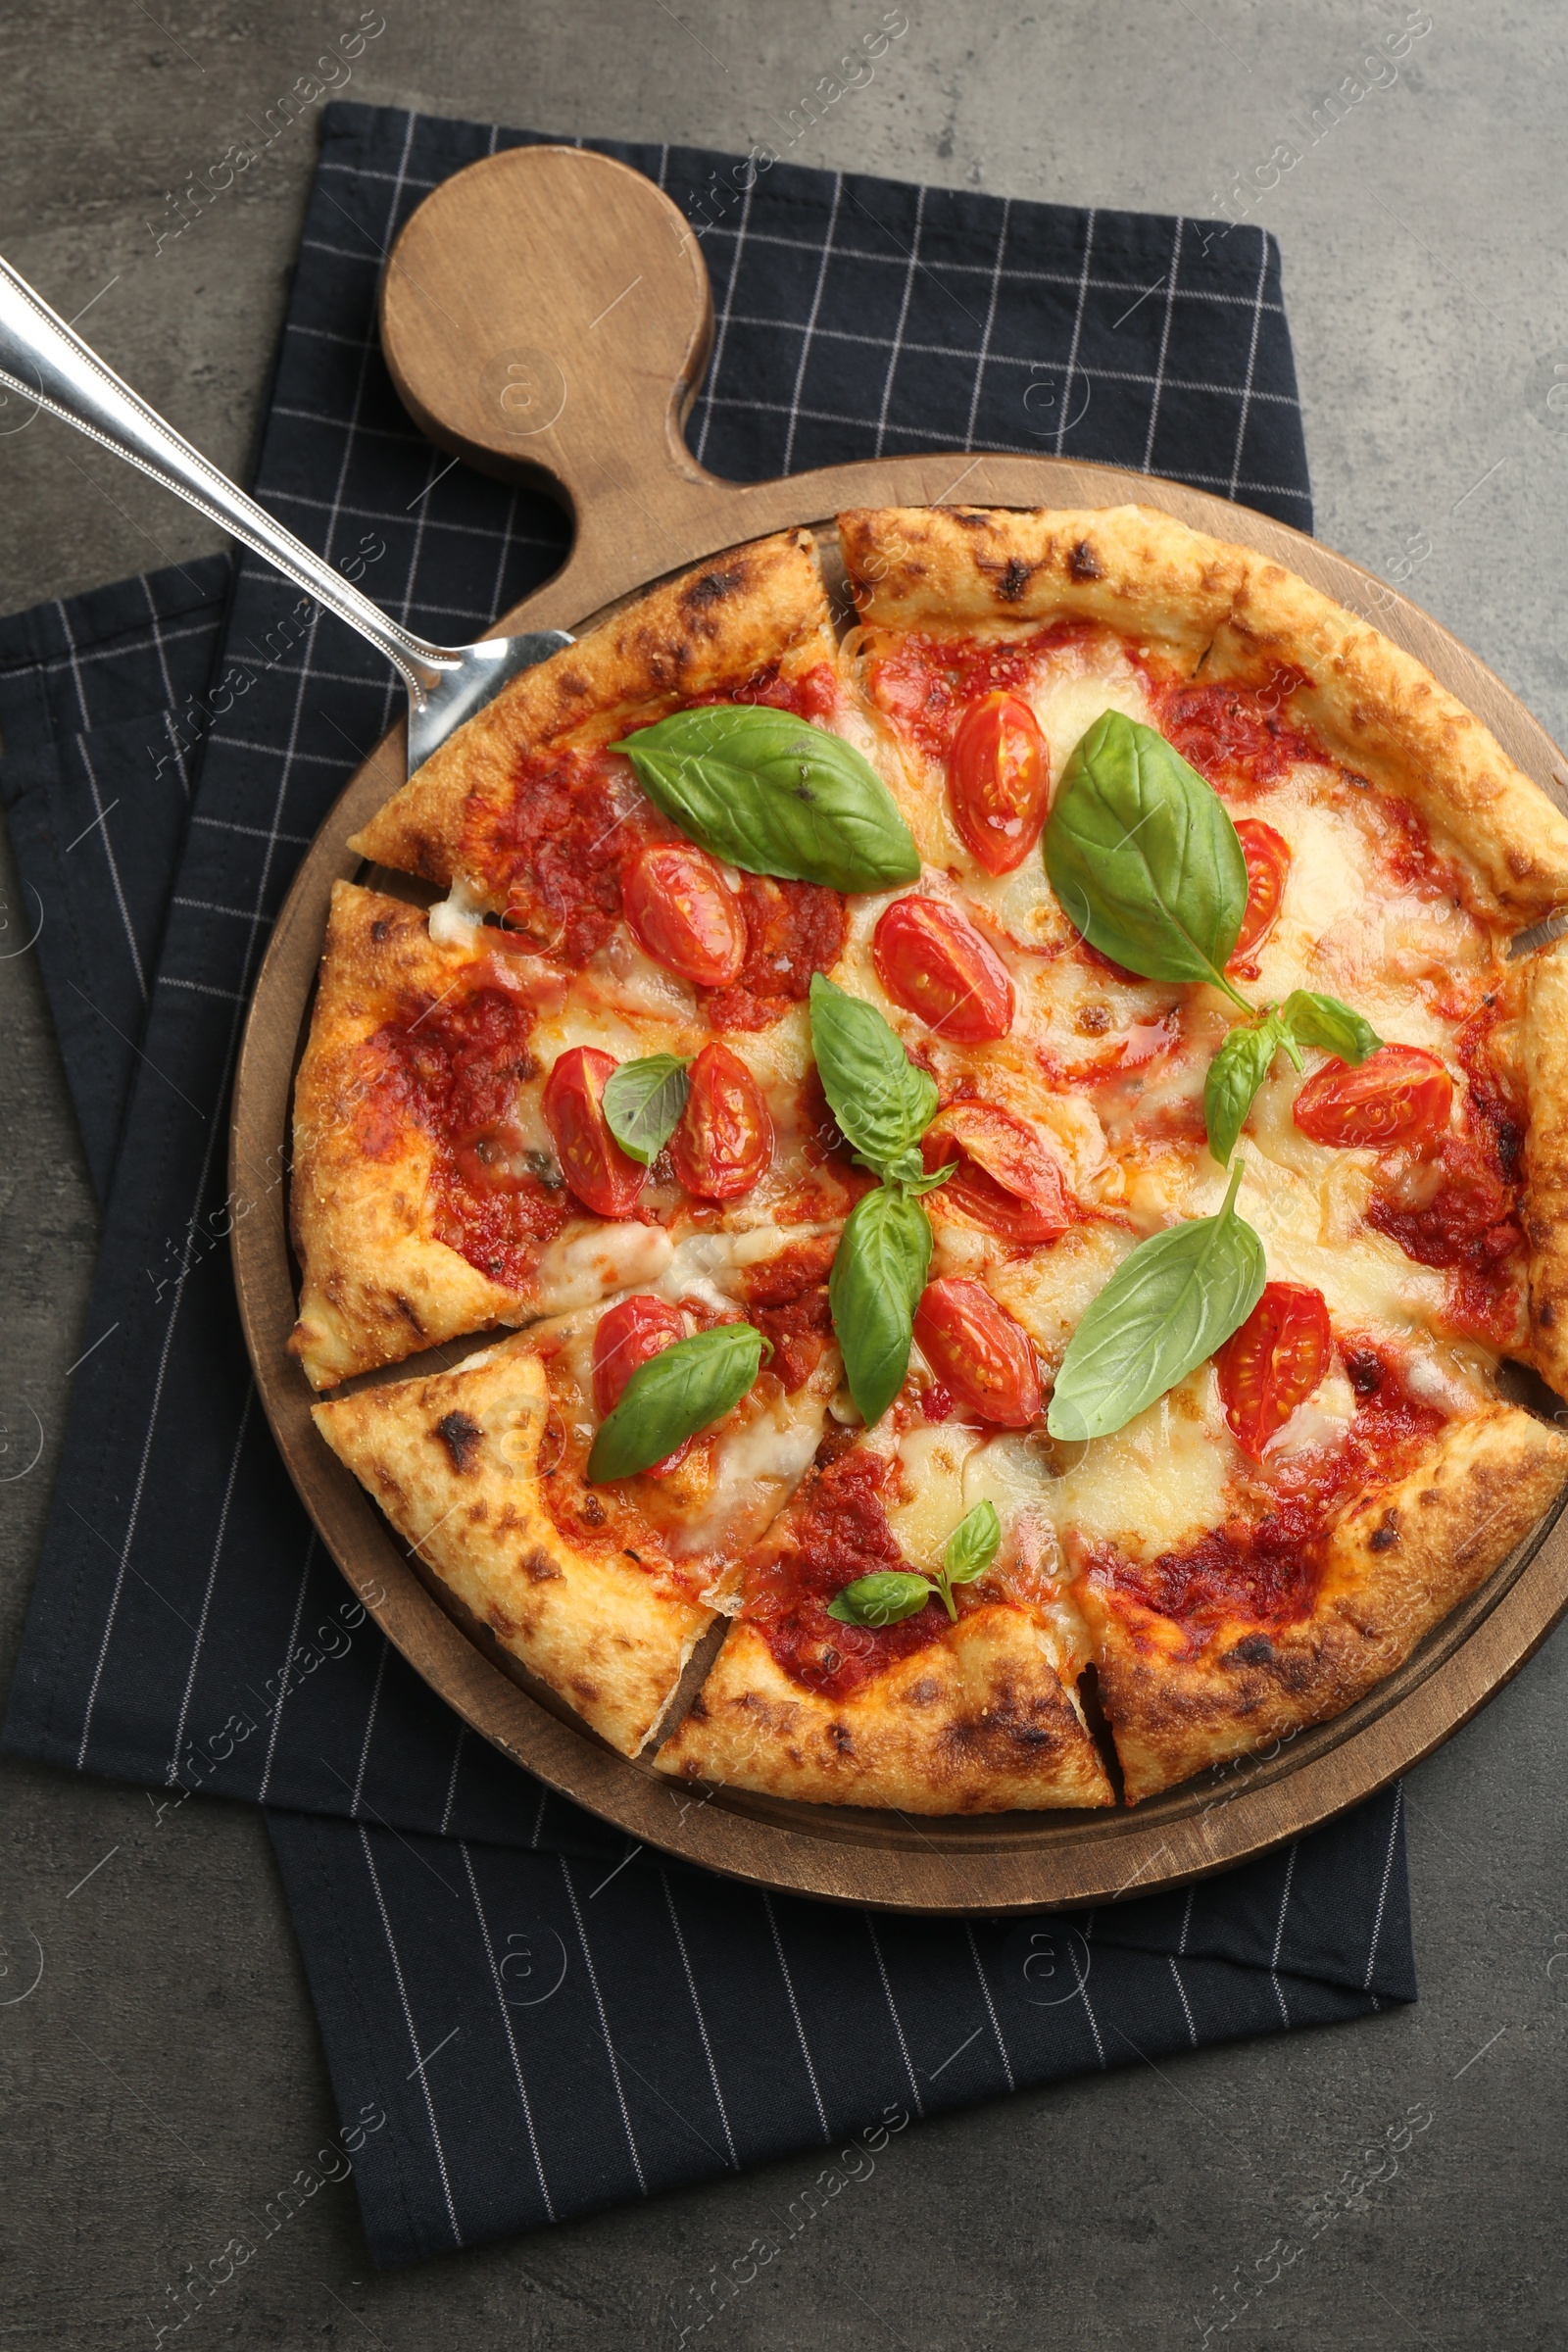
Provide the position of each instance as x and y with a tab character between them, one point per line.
1009	1158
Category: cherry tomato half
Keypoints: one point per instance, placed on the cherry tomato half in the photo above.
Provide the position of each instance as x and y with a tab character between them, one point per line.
1400	1095
627	1335
978	1353
1268	862
1273	1363
725	1137
998	780
683	913
932	960
603	1177
1007	1180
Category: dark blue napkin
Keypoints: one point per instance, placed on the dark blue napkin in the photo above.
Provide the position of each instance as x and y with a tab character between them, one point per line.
544	2022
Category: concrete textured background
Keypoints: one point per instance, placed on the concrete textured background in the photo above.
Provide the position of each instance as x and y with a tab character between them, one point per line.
166	2073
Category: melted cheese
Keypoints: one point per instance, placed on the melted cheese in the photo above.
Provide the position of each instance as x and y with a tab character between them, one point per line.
580	1267
1156	1484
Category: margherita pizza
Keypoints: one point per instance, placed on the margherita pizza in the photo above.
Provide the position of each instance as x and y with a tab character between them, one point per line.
1014	1143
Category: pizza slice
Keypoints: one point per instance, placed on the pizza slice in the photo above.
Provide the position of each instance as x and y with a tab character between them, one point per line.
452	1167
973	1712
528	811
1316	1583
600	1590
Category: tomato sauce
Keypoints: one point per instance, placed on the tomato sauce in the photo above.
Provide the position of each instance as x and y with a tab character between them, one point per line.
452	1067
793	929
1265	1564
924	683
1460	1210
558	850
787	1299
811	696
837	1531
576	821
1237	733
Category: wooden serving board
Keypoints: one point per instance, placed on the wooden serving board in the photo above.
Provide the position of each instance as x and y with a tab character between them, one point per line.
545	315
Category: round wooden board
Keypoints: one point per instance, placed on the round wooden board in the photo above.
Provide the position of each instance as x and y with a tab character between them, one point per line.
545	315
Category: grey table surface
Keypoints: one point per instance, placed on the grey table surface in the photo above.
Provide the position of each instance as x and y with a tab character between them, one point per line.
165	2074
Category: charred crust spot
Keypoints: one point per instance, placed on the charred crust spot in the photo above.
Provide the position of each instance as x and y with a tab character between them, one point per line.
840	1734
461	1436
1257	1650
1013	579
381	930
712	588
1384	1537
410	1313
539	1568
1544	1314
1083	563
587	1692
922	1693
593	1511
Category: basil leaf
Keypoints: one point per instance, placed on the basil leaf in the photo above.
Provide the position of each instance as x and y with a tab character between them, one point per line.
776	795
672	1395
882	1102
1317	1021
1177	1298
878	1273
643	1102
1143	857
1235	1075
972	1545
884	1598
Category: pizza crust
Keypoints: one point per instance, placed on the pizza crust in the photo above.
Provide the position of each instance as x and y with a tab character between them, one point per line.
453	1461
1196	600
377	1286
1397	1562
1545	1162
978	1722
711	628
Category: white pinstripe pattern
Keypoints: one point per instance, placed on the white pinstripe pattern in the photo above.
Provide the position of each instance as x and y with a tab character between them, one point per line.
991	2007
896	347
1187	1922
697	2012
1383	1884
983	353
413	2040
1165	346
1077	331
285	1685
603	2024
505	2018
1083	1994
172	1774
716	365
102	829
795	2012
1279	1936
452	1784
1192	2029
893	2012
826	254
1252	363
370	1728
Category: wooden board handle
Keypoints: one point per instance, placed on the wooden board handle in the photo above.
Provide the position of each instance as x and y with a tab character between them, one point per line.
546	315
